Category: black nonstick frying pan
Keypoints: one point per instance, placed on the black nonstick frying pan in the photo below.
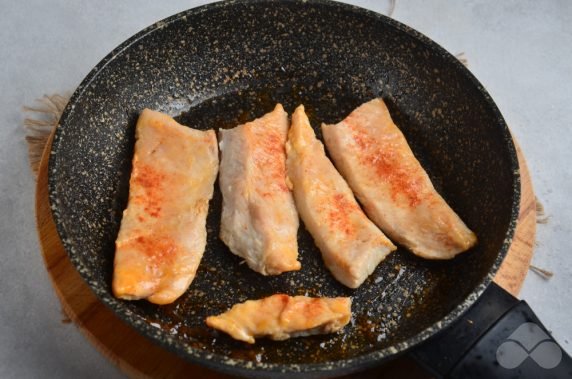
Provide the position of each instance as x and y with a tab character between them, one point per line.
229	62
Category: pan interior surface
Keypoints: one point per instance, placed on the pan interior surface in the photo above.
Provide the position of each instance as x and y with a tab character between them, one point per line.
227	63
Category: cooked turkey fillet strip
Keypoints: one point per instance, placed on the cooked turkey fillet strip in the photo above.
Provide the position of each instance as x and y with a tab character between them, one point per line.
373	156
351	245
280	317
163	234
259	220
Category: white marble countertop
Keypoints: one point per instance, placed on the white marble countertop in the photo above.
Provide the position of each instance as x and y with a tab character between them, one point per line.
519	49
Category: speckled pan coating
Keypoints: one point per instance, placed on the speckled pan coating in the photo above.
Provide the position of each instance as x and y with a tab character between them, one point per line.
225	63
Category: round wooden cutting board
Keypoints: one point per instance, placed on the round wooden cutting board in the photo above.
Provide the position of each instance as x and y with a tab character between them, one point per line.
138	357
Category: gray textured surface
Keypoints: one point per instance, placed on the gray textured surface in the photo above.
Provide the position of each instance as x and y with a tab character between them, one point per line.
517	49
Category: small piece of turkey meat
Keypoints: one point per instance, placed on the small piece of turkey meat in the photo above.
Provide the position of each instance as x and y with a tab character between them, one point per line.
351	245
373	156
162	236
281	317
259	220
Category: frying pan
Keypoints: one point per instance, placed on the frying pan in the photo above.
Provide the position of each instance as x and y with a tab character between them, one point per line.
225	63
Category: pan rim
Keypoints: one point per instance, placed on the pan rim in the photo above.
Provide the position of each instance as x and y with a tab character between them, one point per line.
243	367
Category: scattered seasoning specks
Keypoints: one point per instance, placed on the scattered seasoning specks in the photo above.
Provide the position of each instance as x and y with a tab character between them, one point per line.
229	62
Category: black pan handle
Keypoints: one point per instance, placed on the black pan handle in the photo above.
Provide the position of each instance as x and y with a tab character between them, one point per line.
498	337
